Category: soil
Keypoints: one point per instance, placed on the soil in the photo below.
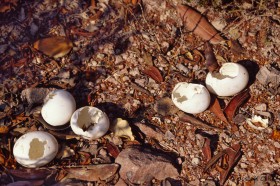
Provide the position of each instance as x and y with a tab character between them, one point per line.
126	57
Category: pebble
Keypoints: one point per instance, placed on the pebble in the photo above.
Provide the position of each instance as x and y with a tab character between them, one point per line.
261	107
195	161
277	145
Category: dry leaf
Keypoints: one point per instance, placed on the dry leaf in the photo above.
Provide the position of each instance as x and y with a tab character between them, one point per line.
192	120
216	109
154	73
112	149
196	22
229	158
93	172
121	128
275	134
235	102
235	47
206	149
56	47
210	59
151	131
233	156
4	129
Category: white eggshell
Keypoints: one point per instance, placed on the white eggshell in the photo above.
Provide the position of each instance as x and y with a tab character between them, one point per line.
58	107
190	98
230	80
35	149
89	122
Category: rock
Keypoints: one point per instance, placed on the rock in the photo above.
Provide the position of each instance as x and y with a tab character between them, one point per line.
141	165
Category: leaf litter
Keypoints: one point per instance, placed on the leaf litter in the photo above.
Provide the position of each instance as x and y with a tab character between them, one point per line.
100	37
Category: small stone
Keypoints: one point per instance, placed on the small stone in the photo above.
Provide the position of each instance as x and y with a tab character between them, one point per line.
277	145
261	107
195	161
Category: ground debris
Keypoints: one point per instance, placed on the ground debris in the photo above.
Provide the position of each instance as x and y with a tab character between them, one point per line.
141	165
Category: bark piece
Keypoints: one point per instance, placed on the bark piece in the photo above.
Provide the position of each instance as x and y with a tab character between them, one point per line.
196	22
141	165
93	172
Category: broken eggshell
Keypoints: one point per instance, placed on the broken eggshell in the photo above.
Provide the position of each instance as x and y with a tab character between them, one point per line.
191	98
89	122
230	80
257	122
35	149
58	107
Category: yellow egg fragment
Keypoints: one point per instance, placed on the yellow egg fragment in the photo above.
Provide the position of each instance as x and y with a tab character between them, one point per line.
57	46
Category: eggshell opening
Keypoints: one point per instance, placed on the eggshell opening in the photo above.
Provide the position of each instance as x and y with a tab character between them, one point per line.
230	80
58	107
190	98
35	149
90	122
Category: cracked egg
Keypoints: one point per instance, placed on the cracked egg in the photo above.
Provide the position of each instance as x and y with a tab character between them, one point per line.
35	149
90	122
191	98
58	107
230	80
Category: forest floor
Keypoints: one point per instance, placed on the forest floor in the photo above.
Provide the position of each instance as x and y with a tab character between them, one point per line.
126	57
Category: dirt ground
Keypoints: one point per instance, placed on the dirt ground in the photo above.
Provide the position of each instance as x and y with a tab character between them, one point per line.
125	58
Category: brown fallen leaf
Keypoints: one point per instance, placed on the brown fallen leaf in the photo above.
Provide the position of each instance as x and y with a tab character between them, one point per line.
57	46
196	22
206	149
210	58
276	134
4	129
154	73
190	119
150	131
112	149
93	172
229	157
235	103
233	155
235	47
215	107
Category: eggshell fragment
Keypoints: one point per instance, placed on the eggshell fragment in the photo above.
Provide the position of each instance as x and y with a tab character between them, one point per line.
230	80
35	149
58	107
90	122
190	98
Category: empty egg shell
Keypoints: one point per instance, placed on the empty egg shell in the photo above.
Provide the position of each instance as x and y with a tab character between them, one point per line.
58	107
230	80
190	98
89	122
35	149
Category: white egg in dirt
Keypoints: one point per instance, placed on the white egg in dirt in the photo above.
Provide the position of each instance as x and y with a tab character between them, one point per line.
58	107
191	98
231	79
35	149
90	122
